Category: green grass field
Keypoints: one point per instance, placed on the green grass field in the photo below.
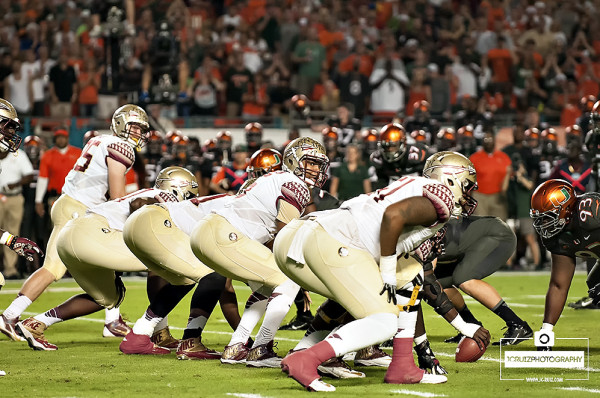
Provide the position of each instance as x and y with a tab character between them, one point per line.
87	365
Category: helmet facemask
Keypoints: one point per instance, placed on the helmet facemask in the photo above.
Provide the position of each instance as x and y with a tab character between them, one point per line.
393	150
548	223
10	140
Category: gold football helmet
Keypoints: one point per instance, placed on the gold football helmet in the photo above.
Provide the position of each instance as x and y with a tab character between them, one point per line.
9	127
301	151
456	172
178	181
127	117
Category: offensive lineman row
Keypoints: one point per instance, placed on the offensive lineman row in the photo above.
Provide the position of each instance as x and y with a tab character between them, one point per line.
266	206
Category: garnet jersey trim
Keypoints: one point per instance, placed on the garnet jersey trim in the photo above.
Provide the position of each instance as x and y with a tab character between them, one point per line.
442	199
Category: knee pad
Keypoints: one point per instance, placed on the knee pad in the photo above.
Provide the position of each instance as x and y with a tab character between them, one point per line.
434	295
333	313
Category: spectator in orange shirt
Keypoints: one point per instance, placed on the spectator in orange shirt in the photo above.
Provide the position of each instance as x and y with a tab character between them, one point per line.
493	175
55	164
89	83
500	60
232	176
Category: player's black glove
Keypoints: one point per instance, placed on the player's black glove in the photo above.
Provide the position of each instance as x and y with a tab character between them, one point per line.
427	359
594	293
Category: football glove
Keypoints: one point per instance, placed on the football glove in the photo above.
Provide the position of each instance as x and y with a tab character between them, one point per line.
23	247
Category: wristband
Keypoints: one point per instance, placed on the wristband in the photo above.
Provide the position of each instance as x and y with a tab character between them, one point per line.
387	264
458	323
6	238
547	326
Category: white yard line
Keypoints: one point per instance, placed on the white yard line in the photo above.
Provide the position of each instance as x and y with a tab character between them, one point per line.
417	393
242	395
590	390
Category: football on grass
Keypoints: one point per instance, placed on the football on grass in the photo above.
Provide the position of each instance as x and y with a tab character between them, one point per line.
468	350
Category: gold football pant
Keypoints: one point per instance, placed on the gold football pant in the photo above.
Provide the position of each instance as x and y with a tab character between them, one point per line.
347	275
225	249
92	252
64	209
155	240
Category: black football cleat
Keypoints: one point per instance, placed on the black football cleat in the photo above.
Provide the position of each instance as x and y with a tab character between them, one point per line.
455	339
584	303
427	360
515	334
300	322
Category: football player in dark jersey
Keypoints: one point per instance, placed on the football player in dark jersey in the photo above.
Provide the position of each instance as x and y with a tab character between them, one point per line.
569	225
474	248
421	120
481	121
394	157
586	103
347	125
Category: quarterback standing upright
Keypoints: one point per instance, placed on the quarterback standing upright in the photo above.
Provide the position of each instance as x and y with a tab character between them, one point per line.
98	175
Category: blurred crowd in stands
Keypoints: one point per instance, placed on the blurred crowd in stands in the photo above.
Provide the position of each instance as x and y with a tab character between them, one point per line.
248	57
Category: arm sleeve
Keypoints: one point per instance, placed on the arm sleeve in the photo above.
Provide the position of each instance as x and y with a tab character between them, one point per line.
40	189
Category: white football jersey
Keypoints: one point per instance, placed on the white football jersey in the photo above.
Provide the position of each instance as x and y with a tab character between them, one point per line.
254	212
116	211
87	182
357	222
186	214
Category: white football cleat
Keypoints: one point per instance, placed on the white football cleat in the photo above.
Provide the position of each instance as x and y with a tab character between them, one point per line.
433	379
337	368
320	386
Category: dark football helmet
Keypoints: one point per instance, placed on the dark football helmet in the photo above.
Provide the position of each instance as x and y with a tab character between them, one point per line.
264	161
552	206
392	141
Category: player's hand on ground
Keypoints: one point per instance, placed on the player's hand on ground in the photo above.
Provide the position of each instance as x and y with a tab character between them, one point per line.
25	247
594	293
482	337
545	348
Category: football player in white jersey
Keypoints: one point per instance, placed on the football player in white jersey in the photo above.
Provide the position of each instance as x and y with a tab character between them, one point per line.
235	241
92	248
336	253
159	237
10	142
97	176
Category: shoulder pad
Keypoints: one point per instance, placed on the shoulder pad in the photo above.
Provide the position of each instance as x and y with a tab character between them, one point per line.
442	199
295	193
122	153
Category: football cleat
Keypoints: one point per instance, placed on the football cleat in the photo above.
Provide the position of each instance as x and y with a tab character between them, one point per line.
516	333
33	331
300	322
455	339
236	353
263	356
164	339
116	328
427	359
433	379
372	356
296	366
584	303
8	328
337	368
140	344
194	349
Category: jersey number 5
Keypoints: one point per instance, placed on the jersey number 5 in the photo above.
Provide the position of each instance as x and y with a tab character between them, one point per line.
86	156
